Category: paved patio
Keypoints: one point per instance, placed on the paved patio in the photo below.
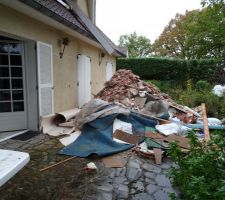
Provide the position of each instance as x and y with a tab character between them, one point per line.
141	179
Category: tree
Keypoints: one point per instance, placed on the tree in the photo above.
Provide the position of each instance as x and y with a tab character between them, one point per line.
138	46
171	42
197	34
205	32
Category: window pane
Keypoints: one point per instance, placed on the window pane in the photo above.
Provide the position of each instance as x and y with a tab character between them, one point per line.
16	60
5	95
4	71
15	48
3	48
17	83
17	94
18	106
4	60
4	84
5	107
16	72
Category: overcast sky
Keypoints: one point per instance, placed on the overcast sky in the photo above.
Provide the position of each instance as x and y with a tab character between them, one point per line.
146	17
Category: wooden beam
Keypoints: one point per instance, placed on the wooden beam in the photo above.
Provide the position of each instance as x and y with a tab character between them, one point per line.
58	163
205	122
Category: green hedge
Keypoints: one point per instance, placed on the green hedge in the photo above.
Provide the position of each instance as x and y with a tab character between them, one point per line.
165	69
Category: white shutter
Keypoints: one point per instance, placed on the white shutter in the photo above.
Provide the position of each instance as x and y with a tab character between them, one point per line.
84	79
109	71
45	78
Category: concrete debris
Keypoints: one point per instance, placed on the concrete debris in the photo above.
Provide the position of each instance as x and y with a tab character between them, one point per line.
124	84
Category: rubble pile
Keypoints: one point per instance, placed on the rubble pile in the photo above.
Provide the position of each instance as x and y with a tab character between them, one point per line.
126	88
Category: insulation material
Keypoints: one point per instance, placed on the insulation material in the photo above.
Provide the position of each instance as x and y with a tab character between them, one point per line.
123	126
49	127
97	108
65	116
70	139
172	128
67	124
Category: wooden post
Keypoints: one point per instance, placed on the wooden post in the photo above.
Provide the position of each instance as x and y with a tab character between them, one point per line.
205	122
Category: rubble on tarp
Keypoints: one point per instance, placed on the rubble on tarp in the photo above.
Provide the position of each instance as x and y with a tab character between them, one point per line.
127	114
128	89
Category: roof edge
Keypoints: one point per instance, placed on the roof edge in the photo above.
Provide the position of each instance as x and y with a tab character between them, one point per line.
92	28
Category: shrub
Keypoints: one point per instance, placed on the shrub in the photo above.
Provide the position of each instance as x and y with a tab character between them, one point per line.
167	69
201	172
193	95
202	86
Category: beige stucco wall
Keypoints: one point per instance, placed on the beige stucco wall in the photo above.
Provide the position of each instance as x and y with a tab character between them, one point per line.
64	70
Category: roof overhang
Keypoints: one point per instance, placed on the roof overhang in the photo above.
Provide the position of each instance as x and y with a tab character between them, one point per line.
27	10
92	28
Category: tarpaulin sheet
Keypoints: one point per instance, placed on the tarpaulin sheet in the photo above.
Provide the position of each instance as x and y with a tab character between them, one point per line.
96	136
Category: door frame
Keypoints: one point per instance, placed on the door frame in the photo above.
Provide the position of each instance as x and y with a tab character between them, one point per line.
16	115
30	81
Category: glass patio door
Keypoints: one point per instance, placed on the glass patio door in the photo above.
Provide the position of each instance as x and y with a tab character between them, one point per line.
13	112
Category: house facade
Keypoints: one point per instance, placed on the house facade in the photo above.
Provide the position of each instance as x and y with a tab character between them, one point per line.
52	58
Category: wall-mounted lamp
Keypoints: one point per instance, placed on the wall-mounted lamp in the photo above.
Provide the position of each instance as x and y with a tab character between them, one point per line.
101	56
65	41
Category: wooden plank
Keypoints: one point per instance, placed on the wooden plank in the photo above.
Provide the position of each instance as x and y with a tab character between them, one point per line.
158	156
56	164
113	161
153	135
181	140
205	122
126	137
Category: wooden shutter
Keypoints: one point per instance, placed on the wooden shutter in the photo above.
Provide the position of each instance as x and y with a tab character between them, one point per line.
84	79
109	71
45	78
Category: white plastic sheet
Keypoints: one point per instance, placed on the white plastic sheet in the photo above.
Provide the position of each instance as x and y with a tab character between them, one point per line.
219	90
70	139
172	128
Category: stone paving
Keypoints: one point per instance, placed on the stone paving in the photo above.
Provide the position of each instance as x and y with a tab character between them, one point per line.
140	179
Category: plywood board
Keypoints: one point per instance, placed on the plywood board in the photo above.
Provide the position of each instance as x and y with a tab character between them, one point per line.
115	161
153	135
181	141
158	156
126	137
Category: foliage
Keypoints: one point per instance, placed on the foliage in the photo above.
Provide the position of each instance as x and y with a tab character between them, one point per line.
174	70
202	86
138	46
201	172
205	33
171	42
193	96
197	34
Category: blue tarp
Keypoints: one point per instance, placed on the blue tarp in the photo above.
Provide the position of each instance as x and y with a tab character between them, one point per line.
96	137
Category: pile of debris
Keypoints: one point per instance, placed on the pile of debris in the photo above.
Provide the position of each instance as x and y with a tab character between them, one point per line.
128	113
128	89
